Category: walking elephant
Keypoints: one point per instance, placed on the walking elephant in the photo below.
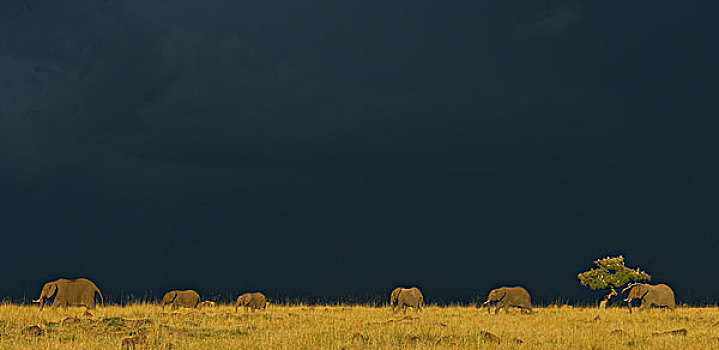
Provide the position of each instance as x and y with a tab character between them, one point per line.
660	295
404	297
181	298
509	296
251	301
70	292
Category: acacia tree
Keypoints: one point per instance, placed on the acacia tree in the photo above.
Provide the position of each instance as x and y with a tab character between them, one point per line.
611	274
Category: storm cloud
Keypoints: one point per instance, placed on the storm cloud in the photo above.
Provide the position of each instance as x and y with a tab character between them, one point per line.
331	151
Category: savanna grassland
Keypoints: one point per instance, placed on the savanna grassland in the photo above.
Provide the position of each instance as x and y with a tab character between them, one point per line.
355	327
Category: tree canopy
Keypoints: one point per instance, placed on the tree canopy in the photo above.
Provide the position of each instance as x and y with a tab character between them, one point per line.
611	273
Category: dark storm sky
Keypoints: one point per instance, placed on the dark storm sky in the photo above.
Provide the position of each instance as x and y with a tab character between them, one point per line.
332	150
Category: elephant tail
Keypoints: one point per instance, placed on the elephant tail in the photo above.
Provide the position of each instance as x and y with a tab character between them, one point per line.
102	299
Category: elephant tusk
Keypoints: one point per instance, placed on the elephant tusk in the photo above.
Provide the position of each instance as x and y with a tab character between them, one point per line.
626	299
37	301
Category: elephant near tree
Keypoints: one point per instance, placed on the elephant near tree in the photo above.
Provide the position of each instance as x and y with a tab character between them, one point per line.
660	295
181	298
406	297
509	296
251	301
70	292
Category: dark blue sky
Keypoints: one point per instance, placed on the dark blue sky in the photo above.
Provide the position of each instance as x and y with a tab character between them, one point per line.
330	150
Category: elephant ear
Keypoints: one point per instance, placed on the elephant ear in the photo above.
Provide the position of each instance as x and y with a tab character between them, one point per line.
51	289
502	294
395	295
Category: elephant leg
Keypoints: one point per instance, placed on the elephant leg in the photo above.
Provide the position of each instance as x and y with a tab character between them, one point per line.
506	308
645	305
499	306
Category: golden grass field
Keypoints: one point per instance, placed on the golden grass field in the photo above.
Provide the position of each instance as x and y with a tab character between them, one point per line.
355	327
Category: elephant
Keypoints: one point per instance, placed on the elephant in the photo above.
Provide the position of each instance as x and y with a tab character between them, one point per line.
509	296
660	295
206	303
181	298
70	292
251	301
404	297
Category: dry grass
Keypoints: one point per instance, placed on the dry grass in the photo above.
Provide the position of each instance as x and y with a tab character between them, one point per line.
354	327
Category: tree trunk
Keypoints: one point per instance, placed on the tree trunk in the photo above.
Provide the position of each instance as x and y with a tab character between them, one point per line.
603	303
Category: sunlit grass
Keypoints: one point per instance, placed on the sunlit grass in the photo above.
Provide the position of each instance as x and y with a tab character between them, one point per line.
356	327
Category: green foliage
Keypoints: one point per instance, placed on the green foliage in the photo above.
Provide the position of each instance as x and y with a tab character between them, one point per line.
611	273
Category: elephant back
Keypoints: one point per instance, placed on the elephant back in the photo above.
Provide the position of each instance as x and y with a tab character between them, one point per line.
665	295
182	298
191	298
411	297
521	295
258	301
76	292
517	296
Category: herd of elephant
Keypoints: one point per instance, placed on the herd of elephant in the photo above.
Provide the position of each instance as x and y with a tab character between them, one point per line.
82	291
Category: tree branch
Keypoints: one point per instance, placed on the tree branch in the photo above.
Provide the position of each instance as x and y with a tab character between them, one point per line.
603	303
